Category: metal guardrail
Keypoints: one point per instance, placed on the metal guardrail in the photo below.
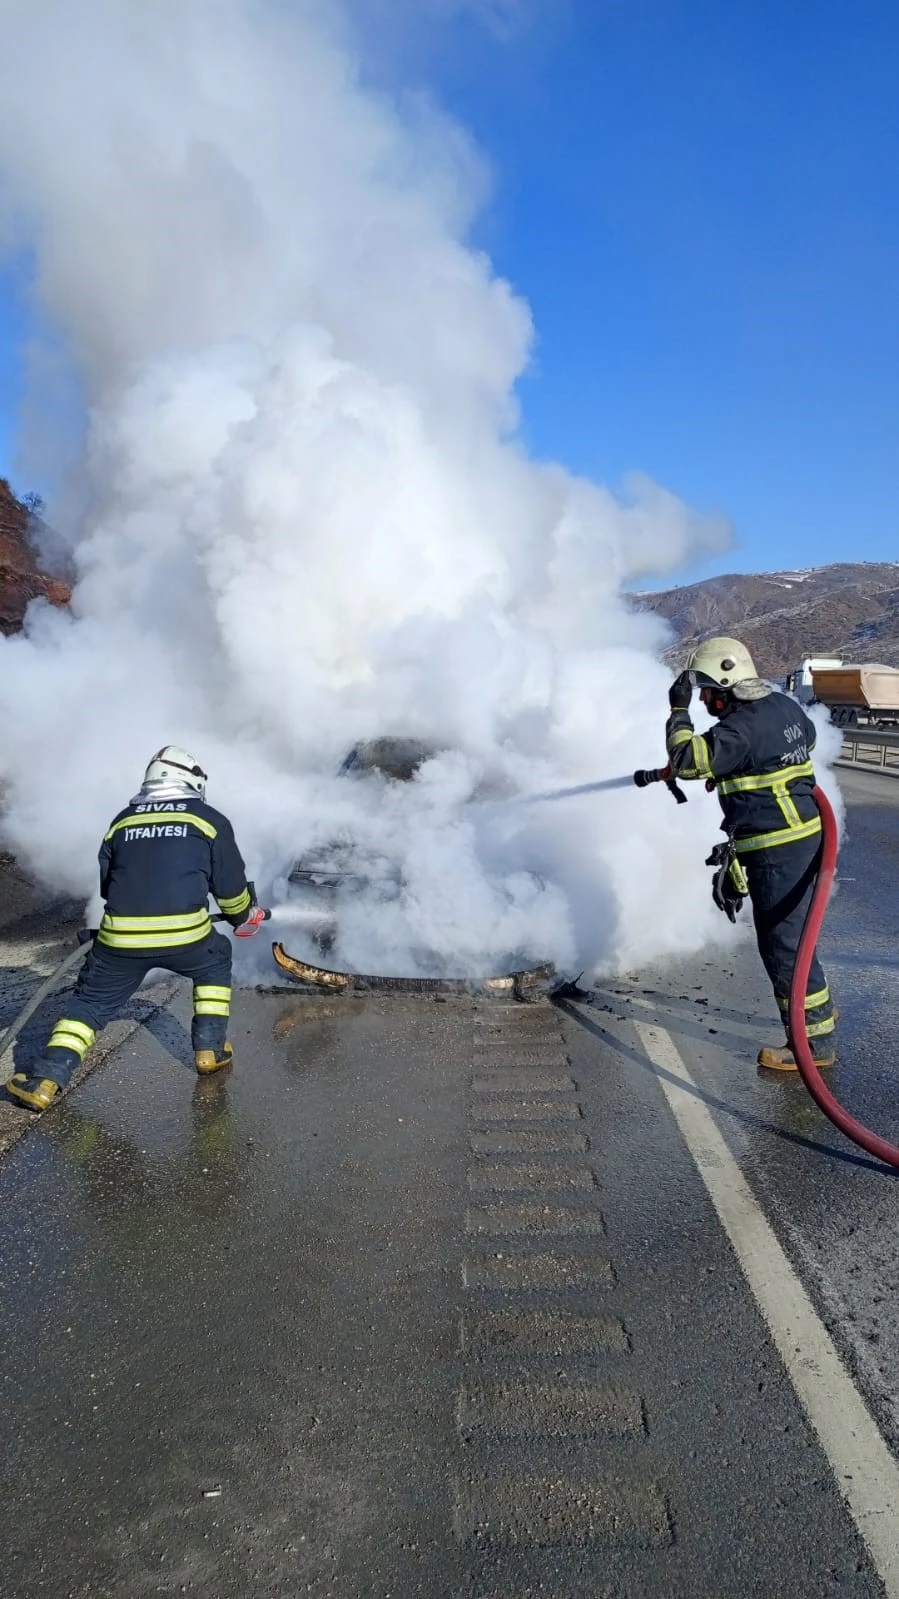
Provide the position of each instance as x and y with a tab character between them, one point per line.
871	749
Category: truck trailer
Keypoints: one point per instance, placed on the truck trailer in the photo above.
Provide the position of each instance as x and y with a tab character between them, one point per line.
799	681
866	696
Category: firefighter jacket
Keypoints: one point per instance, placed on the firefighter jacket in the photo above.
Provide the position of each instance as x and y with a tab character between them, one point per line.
159	863
757	757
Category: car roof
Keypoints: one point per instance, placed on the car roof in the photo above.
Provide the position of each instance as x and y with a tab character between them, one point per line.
398	758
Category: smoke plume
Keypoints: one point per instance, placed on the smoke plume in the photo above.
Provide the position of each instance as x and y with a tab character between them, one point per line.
298	508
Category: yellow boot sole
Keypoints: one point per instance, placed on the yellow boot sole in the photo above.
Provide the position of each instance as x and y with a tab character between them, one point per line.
783	1060
207	1061
38	1093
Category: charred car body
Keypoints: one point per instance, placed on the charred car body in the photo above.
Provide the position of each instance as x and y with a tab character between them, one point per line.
327	881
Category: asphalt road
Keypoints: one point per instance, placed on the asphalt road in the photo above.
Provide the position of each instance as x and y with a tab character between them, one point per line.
465	1299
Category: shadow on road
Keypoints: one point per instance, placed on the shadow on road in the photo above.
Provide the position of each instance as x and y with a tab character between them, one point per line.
746	1118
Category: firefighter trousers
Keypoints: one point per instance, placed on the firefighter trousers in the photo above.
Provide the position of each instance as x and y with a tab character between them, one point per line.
781	882
107	981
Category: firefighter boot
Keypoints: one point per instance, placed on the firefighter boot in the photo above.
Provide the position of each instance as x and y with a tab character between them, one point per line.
207	1061
783	1060
38	1093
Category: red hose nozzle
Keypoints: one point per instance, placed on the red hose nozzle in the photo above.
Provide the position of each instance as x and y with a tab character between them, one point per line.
661	774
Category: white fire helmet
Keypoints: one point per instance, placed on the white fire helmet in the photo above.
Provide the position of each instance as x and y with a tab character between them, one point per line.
173	765
723	662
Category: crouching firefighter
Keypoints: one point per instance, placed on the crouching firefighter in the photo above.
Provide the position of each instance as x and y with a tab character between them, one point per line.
164	854
758	760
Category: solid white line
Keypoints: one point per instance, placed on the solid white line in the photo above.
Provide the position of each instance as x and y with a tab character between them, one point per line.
865	1470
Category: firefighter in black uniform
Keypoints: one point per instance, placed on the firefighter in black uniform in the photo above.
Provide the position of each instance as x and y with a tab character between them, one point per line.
758	758
163	856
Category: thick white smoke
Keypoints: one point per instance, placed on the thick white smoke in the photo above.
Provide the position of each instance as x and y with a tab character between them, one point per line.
301	515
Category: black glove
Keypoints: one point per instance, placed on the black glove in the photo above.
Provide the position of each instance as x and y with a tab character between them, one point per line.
729	885
681	692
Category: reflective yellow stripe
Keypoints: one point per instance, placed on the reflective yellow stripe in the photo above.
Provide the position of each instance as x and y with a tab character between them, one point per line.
153	932
701	756
785	804
783	835
699	750
240	902
751	785
818	1029
62	1037
62	1040
151	940
80	1029
787	808
812	1001
778	784
738	877
211	999
163	924
76	1036
149	818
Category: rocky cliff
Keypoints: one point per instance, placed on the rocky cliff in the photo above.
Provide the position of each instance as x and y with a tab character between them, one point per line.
21	579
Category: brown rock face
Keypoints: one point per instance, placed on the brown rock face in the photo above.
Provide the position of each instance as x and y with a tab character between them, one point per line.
20	577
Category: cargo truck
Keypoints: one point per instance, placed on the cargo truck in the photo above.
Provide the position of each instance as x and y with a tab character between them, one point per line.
866	696
799	681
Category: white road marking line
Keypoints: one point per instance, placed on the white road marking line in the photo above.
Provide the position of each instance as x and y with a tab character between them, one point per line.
866	1472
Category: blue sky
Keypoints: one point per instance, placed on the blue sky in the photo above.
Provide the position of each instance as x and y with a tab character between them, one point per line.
700	200
12	318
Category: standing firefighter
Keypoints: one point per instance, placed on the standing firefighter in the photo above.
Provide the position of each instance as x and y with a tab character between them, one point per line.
758	760
161	859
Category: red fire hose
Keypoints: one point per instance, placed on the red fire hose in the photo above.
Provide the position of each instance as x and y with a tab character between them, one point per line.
811	1076
805	1060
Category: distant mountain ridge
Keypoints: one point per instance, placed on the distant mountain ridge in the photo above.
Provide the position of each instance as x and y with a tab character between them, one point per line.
850	609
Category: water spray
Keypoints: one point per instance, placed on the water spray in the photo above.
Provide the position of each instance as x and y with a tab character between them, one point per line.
570	793
661	774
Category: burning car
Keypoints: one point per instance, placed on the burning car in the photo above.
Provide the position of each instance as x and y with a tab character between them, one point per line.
351	872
